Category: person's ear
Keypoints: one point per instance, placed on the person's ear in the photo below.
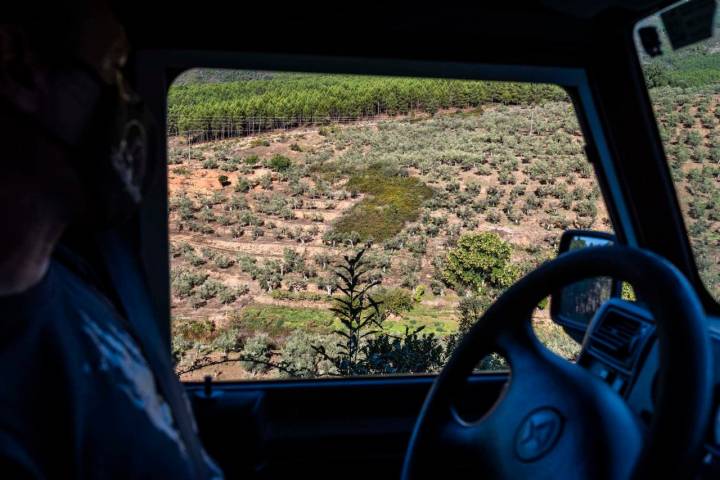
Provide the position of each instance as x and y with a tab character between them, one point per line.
21	80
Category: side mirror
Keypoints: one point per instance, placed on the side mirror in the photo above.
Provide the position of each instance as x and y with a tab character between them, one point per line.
574	306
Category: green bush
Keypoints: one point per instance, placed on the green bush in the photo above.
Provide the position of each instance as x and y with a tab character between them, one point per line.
242	185
479	261
257	348
223	261
280	163
210	289
251	160
266	182
227	296
228	340
393	301
210	164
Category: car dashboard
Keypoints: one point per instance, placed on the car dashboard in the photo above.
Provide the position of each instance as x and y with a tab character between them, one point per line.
620	347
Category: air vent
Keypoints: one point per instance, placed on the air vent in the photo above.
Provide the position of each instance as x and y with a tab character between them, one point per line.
617	337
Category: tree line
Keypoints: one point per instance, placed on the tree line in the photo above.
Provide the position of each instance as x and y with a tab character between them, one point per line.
218	110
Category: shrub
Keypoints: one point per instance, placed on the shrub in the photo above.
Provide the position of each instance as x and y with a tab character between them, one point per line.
223	261
178	249
228	167
694	138
586	208
437	287
210	164
223	180
184	283
228	340
197	302
251	160
299	357
470	309
480	260
257	232
258	350
200	330
210	289
266	182
493	216
279	163
227	296
393	301
413	353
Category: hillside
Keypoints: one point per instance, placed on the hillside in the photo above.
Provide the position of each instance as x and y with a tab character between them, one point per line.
518	171
263	211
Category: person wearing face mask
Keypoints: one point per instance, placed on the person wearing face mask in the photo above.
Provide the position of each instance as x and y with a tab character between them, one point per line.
87	387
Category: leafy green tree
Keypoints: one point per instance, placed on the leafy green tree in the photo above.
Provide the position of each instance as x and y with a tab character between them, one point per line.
322	260
292	261
280	163
393	301
479	261
327	283
269	276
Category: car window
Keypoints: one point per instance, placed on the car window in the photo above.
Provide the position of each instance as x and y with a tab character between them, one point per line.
684	86
335	225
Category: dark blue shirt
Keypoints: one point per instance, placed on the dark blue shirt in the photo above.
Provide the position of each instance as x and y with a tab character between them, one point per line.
77	396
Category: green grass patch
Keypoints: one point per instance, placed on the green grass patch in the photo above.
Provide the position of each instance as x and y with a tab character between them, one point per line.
438	320
279	320
392	201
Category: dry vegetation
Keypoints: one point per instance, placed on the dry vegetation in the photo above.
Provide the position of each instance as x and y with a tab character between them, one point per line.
257	223
689	121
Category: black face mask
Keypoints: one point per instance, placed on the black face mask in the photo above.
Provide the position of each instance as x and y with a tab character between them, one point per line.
107	130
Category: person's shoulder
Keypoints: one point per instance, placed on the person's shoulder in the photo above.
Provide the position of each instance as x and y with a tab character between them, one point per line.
31	308
48	309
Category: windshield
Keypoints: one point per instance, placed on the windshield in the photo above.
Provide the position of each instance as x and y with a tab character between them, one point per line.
684	86
338	225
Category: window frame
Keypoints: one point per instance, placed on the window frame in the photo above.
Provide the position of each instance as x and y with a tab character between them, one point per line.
156	71
711	304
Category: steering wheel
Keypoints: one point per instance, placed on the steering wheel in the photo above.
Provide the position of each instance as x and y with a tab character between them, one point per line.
556	420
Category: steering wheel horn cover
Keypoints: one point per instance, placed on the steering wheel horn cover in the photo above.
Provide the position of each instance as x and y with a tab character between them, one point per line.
555	419
538	433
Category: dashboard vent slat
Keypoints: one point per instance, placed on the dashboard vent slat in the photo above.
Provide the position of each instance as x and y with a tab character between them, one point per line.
617	336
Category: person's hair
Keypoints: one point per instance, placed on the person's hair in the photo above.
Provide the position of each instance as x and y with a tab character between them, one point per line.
52	32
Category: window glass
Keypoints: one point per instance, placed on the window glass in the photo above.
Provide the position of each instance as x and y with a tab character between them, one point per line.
684	86
334	225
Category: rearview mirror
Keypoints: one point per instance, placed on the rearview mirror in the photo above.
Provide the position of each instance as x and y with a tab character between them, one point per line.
574	306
